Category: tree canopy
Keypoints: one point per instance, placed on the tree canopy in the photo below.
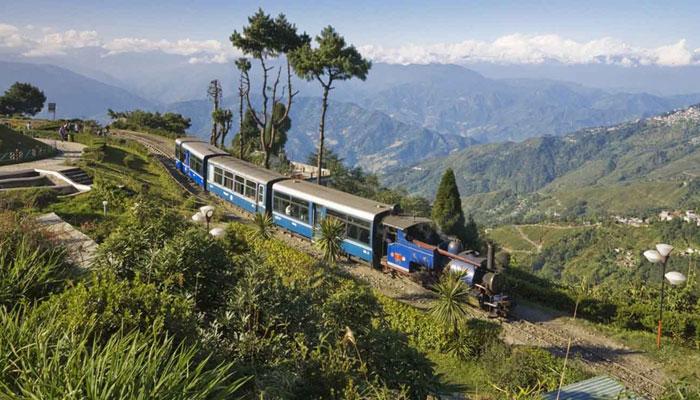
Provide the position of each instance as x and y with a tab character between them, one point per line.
332	60
447	208
22	98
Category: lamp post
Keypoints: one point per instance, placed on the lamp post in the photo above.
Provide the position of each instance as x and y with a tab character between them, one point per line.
660	256
104	207
204	214
208	212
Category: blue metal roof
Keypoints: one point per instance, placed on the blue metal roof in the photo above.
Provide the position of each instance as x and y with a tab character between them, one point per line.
598	388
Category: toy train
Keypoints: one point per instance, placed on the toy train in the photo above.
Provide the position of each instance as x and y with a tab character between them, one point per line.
375	233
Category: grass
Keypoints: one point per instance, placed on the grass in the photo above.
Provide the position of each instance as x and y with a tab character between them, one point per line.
509	237
11	141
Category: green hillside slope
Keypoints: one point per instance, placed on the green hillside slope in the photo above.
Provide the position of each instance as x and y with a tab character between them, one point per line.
625	168
11	141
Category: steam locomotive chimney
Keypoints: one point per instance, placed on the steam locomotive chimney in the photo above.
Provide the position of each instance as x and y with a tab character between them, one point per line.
489	256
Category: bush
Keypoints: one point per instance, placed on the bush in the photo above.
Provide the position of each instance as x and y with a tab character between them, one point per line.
107	305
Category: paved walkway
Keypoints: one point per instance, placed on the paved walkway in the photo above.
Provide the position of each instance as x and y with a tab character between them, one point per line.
81	249
68	151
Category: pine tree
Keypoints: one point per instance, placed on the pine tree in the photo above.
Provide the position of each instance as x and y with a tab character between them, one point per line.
447	208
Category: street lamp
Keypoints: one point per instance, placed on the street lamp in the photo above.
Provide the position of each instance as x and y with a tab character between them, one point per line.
104	207
660	256
207	212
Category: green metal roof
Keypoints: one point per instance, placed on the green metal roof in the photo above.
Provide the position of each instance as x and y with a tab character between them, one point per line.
598	388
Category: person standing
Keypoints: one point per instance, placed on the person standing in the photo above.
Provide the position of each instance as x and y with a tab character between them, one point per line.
62	131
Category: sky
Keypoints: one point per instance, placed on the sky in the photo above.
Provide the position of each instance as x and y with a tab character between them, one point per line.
576	32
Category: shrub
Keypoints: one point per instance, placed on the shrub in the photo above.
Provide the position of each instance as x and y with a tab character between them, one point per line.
111	305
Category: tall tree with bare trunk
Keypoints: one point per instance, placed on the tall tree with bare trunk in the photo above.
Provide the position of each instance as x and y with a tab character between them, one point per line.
264	39
214	93
243	66
332	60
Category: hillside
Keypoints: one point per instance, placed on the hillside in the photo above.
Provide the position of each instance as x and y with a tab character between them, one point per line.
76	96
371	139
628	167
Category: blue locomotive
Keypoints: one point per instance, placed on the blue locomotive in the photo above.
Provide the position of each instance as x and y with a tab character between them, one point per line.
375	233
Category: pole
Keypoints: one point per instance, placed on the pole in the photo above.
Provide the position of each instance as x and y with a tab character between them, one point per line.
661	304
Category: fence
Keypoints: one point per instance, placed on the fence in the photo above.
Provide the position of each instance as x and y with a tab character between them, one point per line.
20	156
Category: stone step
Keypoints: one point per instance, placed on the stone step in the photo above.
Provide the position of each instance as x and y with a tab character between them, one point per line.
27	181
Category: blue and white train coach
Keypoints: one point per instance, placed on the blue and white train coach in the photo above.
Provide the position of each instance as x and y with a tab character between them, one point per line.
241	183
298	206
192	157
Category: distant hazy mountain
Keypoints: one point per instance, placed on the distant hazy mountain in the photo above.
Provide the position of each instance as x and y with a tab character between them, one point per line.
370	139
456	100
630	166
75	95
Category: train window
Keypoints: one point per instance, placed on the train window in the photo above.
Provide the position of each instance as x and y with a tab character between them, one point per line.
250	189
291	206
218	176
195	164
228	179
239	184
355	229
261	193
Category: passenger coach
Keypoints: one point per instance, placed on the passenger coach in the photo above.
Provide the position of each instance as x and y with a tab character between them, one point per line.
299	206
180	155
242	183
192	159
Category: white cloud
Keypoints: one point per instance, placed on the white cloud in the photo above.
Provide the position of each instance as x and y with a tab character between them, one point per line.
510	49
58	43
536	49
10	37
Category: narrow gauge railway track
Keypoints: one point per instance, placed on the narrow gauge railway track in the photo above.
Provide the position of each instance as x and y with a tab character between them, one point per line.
523	330
163	154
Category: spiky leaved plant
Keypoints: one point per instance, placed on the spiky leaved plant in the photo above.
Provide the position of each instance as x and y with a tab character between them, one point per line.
264	227
329	239
450	306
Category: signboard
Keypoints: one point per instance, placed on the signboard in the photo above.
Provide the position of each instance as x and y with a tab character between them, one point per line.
52	109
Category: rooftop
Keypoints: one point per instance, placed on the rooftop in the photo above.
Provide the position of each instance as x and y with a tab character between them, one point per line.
202	149
335	199
598	388
247	169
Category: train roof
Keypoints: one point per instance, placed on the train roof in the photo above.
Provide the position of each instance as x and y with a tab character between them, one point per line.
247	169
404	222
188	139
339	201
202	149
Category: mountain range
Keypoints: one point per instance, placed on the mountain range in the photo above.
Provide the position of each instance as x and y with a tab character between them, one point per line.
626	168
402	114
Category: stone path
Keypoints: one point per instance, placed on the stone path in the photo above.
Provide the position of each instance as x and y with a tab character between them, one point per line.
81	249
68	151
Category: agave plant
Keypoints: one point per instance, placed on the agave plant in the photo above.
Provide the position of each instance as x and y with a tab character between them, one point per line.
329	238
450	306
264	226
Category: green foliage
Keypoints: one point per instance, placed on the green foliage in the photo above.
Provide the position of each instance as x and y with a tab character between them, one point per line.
356	181
48	362
331	61
267	37
132	246
329	239
31	268
265	229
251	134
22	98
167	124
449	308
447	207
192	263
113	305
